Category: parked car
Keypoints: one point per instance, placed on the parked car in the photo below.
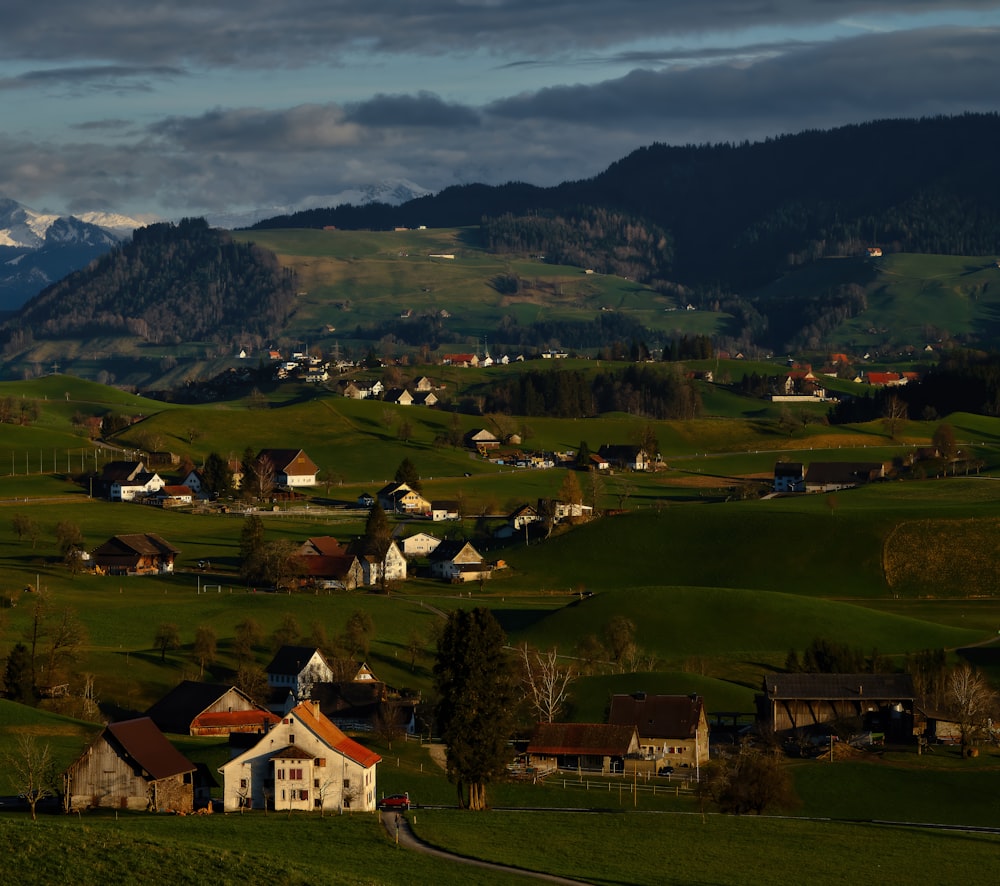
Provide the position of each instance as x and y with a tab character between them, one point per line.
666	770
395	801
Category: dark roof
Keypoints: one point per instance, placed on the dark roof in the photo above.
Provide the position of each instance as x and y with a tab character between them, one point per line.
657	716
326	545
891	687
121	471
842	471
144	544
291	659
181	705
148	747
293	752
595	739
788	469
449	549
322	566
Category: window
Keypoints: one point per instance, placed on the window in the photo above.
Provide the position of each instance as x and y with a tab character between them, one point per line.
347	784
291	738
321	761
280	774
316	783
295	774
303	795
243	784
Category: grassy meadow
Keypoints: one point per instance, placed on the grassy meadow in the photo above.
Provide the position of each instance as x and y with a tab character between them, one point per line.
719	590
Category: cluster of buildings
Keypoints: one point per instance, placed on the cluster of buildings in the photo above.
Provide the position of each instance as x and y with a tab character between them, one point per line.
288	755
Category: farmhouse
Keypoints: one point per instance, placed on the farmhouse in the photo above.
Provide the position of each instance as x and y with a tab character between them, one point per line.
303	763
481	439
420	544
671	728
294	669
789	476
399	498
130	765
596	747
292	467
458	561
829	476
445	509
128	480
135	554
393	565
877	702
632	458
193	708
171	497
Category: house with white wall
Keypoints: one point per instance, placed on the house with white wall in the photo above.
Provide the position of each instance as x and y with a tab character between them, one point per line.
303	763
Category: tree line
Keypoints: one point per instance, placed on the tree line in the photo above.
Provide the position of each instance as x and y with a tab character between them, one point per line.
170	283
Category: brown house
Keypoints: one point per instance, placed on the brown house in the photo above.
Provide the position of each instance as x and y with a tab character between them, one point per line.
596	747
134	554
876	702
130	765
193	708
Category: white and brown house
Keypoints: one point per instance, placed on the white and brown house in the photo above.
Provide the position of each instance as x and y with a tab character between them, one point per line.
303	763
672	729
458	561
292	467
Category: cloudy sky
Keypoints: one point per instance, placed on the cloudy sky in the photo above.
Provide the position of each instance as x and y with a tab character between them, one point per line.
224	106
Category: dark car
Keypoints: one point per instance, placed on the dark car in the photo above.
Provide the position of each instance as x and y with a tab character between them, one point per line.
395	801
666	770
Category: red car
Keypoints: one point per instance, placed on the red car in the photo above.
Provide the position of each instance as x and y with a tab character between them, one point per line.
395	801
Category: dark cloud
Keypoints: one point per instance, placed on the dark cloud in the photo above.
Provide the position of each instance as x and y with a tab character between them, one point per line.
253	33
423	109
897	74
99	75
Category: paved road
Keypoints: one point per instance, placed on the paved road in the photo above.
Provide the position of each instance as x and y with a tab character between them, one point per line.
398	828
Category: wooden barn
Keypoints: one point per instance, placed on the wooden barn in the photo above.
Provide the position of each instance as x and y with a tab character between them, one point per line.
595	747
134	554
130	765
877	702
193	708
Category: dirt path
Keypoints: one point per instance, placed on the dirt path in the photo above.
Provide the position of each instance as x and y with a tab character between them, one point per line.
398	828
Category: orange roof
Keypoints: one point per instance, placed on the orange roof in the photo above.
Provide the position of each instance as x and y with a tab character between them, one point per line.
308	713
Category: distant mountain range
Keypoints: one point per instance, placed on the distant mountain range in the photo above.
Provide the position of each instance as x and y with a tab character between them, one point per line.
39	248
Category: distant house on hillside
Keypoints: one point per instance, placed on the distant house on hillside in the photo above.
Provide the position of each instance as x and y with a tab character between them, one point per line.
458	561
632	458
135	554
292	467
128	480
295	669
789	476
830	476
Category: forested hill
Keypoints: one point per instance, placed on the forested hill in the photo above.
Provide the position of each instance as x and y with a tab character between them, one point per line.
171	283
737	215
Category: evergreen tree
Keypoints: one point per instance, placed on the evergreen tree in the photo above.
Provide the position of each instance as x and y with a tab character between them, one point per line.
407	473
17	675
475	684
216	475
252	548
378	539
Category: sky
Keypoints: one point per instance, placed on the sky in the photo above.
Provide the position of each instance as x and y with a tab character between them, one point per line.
221	107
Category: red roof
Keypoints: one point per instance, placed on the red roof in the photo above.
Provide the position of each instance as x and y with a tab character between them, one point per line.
309	715
235	719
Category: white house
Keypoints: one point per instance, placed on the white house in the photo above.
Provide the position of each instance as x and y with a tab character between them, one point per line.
442	510
296	668
420	545
292	467
458	561
126	481
394	565
303	763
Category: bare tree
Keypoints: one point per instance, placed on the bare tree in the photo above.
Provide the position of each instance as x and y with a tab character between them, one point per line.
894	413
205	647
31	771
387	725
167	637
546	683
971	701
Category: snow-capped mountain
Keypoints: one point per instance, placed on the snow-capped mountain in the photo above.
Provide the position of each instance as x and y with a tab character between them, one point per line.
38	248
